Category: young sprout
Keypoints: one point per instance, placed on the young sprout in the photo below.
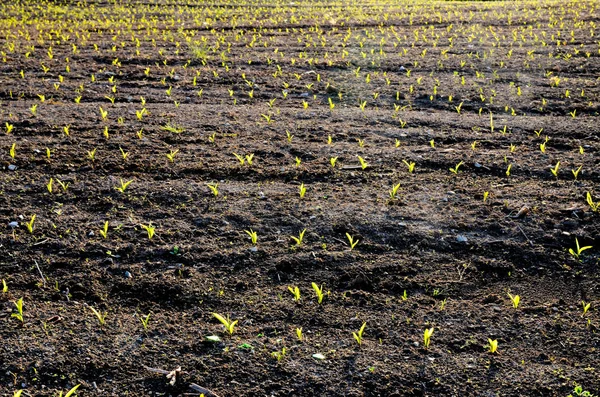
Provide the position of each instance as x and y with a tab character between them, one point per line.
62	184
229	325
289	136
149	229
124	154
49	185
29	224
492	345
249	158
267	118
358	336
394	192
332	161
329	140
319	292
240	158
361	142
4	287
253	236
299	239
124	185
515	299
455	169
573	113
296	292
298	161
411	165
92	154
302	190
363	163
9	127
459	107
145	321
172	154
69	393
432	144
101	317
485	196
103	113
586	307
351	241
104	230
554	170
397	143
594	206
508	170
427	337
13	150
576	172
299	334
576	253
19	314
213	188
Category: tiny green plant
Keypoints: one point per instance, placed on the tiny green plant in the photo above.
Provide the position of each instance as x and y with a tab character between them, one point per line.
13	151
123	186
99	315
455	169
295	292
554	170
578	250
318	291
253	236
280	354
492	345
586	307
227	323
240	158
427	337
29	224
145	320
576	172
394	192
302	190
593	205
104	230
4	286
70	392
171	155
332	161
19	314
299	334
411	165
363	163
515	299
299	239
352	242
358	336
214	188
149	229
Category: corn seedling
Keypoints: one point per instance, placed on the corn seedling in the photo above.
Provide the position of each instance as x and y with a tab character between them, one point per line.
104	230
214	188
485	196
578	250
145	321
50	184
299	334
411	166
4	286
227	323
123	186
302	190
253	236
100	316
508	170
594	206
279	355
92	154
358	336
363	163
427	337
249	158
29	224
296	292
455	169
13	151
394	192
299	239
124	154
149	229
171	155
492	345
318	292
554	170
576	172
289	136
69	393
586	307
332	161
62	184
9	127
298	161
240	158
19	314
515	299
351	241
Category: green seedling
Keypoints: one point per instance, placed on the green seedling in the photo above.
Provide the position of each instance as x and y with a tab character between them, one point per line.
351	241
13	151
455	169
104	230
103	113
214	188
289	136
18	393
149	229
296	292
508	170
4	286
299	239
594	206
333	161
227	323
29	224
578	250
576	172
586	307
253	236
319	292
432	144
70	392
124	154
485	196
298	161
145	321
299	334
427	337
49	185
411	165
363	163
100	316
515	299
171	155
92	154
249	158
394	192
123	186
63	185
279	355
302	190
492	345
358	336
240	158
9	127
19	314
554	170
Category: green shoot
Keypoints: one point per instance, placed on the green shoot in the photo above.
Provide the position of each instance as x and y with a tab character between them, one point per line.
29	224
4	286
149	229
594	206
351	241
104	230
427	337
101	317
296	292
358	336
554	170
13	151
299	239
333	161
123	186
214	188
253	236
145	321
171	155
576	172
302	190
455	169
576	253
492	345
586	307
240	158
515	299
363	163
69	393
394	192
411	165
19	314
299	334
229	325
319	292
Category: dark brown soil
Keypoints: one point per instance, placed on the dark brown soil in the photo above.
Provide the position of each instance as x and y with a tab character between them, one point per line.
438	255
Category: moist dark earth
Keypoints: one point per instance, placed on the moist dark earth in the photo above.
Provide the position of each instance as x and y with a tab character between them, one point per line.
291	86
